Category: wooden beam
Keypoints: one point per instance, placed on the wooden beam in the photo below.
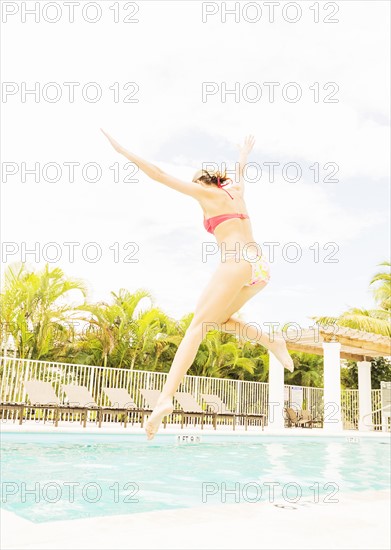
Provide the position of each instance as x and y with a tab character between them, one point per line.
349	345
375	347
348	353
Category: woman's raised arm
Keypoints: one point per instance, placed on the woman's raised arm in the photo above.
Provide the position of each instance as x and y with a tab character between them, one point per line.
155	173
245	150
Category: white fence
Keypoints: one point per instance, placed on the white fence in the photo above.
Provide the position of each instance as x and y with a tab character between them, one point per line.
239	396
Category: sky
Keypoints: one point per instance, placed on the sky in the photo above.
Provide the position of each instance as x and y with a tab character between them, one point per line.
175	54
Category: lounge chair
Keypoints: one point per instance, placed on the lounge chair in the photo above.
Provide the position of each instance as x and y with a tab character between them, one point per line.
150	397
291	416
217	405
190	408
16	408
41	395
307	419
80	396
121	399
299	420
40	392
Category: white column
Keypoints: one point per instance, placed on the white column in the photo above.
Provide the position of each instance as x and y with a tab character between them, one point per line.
276	393
364	396
332	387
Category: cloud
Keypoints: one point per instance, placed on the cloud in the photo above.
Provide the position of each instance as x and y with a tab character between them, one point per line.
170	54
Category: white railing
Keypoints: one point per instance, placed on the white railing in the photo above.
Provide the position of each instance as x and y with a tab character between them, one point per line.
349	409
238	395
378	419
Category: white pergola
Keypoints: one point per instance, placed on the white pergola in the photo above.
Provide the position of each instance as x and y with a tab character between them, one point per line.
335	343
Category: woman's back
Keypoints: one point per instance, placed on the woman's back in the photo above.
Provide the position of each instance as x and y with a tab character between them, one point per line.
232	232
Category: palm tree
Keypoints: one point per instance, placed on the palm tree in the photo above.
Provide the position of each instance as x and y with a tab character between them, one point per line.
34	311
308	370
382	292
369	320
221	359
148	338
122	334
373	320
97	342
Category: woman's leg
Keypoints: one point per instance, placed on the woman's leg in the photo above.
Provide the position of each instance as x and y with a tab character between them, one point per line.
223	288
275	343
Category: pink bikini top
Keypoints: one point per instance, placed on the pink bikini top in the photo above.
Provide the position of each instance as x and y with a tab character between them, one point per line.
210	224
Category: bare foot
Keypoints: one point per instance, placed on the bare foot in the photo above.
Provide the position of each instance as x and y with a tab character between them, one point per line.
162	409
279	349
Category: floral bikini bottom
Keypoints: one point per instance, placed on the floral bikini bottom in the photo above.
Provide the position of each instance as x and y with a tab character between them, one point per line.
261	271
260	268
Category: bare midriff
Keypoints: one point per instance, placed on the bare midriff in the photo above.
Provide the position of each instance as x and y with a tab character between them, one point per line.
235	234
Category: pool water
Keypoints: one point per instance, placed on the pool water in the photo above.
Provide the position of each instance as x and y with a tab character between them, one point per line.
48	477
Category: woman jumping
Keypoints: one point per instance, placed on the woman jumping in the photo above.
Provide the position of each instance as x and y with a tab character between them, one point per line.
237	278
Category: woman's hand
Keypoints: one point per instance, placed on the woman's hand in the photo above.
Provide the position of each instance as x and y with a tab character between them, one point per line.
248	145
147	167
244	151
114	143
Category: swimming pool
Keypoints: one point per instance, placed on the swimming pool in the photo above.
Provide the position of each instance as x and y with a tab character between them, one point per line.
48	477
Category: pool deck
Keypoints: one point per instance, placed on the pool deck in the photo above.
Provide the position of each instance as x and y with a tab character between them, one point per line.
359	520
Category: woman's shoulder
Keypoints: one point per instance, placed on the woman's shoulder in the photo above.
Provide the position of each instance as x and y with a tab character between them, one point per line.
220	207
